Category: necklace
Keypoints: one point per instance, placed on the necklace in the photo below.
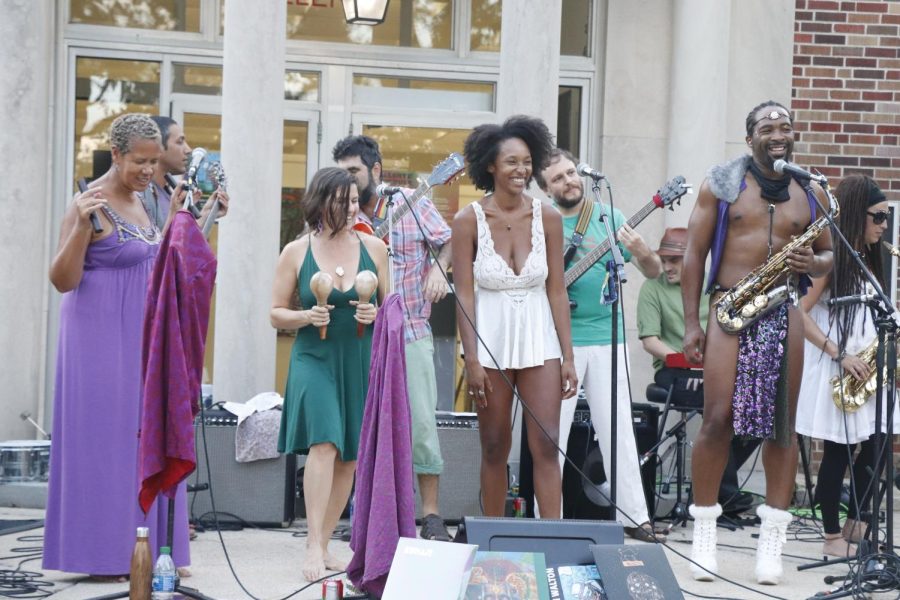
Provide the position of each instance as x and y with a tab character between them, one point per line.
339	271
505	213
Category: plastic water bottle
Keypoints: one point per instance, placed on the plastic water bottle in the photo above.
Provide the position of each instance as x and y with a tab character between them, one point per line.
164	576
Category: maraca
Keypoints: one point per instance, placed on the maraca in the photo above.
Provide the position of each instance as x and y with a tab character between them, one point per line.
365	286
321	285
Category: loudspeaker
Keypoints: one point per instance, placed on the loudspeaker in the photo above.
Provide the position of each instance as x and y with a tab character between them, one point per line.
580	501
259	492
460	483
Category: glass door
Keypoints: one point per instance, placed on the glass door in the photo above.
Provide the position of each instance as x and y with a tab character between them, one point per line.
410	149
200	116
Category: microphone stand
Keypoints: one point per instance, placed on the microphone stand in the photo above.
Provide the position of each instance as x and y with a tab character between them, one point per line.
615	269
878	569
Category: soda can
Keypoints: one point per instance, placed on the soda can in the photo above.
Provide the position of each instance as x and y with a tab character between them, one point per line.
332	589
519	507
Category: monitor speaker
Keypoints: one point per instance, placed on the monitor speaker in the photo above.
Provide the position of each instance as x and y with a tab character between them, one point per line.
460	483
580	501
260	492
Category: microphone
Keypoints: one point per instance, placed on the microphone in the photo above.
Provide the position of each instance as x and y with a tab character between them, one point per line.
384	190
197	156
95	220
856	299
585	170
782	166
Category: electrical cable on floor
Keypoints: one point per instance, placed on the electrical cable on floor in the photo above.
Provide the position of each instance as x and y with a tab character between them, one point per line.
16	583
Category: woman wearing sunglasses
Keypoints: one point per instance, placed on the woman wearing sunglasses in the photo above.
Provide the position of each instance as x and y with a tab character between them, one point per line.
834	337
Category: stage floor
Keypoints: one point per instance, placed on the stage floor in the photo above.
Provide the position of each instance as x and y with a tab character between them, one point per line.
268	562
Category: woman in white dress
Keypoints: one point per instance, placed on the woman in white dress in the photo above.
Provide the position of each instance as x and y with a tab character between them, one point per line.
834	337
509	245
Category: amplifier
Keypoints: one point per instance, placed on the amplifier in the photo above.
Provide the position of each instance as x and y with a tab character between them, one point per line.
584	451
259	492
460	483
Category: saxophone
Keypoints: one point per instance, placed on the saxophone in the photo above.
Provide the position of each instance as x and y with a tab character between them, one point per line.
849	394
754	296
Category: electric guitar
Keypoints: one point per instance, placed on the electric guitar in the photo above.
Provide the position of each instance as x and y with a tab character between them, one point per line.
442	174
672	192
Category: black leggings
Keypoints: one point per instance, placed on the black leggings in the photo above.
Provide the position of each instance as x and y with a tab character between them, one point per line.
835	461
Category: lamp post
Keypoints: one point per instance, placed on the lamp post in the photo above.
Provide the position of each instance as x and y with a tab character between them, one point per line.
365	12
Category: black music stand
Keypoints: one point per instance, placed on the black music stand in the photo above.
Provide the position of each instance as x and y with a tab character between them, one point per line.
659	394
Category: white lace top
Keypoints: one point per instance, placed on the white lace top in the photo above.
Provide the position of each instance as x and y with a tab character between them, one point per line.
512	312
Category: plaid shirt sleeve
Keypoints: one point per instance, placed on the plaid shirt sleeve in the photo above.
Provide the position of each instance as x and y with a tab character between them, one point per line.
437	232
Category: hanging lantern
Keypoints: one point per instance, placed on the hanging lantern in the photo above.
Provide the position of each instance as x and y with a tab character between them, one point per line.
365	12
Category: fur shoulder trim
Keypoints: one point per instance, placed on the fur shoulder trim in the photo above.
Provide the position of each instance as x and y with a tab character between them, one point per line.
725	179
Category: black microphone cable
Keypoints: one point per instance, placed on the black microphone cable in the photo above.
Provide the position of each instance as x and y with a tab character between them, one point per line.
527	409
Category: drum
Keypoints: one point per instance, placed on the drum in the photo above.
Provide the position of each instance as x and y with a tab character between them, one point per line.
24	460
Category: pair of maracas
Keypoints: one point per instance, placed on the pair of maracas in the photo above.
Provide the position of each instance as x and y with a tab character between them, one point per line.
321	284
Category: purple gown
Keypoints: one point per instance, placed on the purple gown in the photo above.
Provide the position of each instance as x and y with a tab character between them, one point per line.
92	508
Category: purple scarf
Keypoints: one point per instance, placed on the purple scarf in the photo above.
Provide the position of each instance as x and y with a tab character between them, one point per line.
176	318
384	504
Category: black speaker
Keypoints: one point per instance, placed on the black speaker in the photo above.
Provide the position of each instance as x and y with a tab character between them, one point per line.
460	483
260	492
580	501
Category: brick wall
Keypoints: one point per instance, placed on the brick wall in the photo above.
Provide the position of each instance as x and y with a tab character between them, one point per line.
846	96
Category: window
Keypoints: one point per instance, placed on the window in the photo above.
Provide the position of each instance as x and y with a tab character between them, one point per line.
409	153
161	15
568	119
576	28
404	92
104	89
207	80
408	24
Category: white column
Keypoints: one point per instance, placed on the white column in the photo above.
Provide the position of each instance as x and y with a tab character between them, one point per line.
26	43
529	60
699	93
252	132
759	69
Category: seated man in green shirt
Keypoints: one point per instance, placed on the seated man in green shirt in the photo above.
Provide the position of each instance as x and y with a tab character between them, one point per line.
660	316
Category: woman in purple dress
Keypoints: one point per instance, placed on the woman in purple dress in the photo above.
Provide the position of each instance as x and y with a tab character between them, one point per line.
92	509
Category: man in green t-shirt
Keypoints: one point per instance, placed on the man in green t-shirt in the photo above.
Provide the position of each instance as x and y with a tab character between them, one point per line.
660	315
592	335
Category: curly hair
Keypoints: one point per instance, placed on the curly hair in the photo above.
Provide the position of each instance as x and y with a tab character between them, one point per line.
357	145
752	121
556	155
132	127
483	144
327	201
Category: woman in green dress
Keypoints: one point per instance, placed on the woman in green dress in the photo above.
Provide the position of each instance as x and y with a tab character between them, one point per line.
328	378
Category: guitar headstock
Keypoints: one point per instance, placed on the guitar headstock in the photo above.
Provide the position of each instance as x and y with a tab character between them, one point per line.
446	170
672	192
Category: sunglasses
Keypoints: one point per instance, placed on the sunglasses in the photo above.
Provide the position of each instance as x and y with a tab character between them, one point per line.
879	217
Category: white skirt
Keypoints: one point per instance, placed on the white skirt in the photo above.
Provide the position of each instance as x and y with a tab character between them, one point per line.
517	327
817	415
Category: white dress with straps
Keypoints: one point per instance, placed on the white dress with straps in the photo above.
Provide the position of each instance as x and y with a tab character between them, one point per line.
512	312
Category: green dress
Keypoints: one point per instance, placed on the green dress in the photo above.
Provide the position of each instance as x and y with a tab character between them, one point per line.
327	379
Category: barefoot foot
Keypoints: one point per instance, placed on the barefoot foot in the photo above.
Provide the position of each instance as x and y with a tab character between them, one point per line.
836	545
314	565
333	563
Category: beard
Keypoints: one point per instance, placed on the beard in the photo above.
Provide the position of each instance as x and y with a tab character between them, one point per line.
567	203
366	194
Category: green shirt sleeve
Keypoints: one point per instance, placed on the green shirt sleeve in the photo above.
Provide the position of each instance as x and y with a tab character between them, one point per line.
649	311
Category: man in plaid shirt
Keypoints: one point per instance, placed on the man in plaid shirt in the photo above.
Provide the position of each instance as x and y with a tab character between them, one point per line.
419	283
